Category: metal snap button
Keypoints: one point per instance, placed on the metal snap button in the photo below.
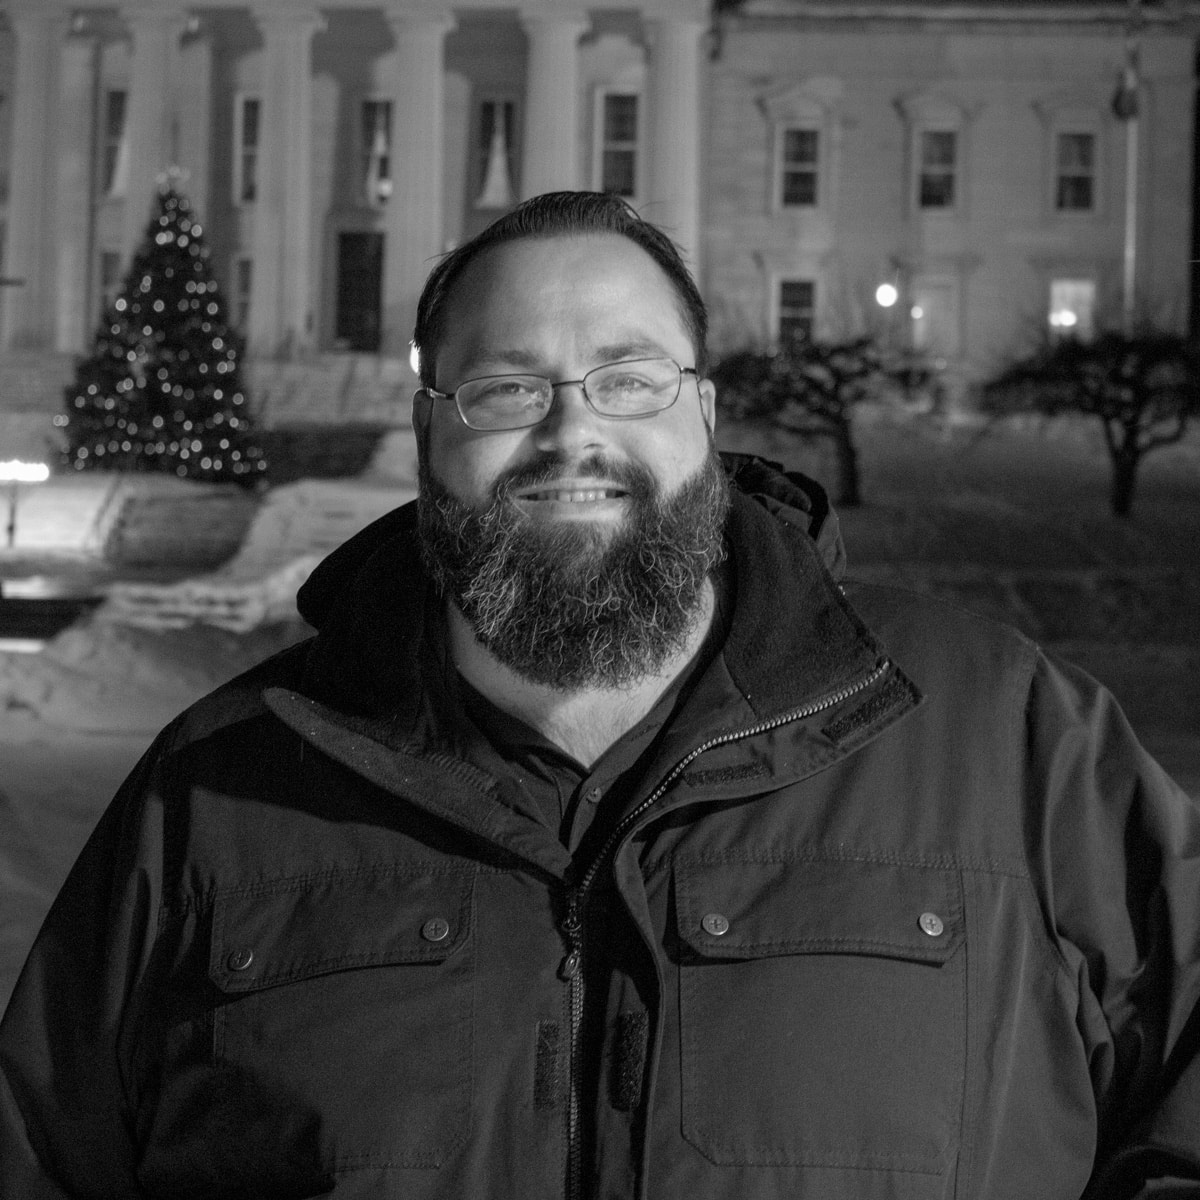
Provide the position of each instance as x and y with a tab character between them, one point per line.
436	929
592	795
932	924
240	959
715	924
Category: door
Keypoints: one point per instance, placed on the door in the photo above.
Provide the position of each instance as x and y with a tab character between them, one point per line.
359	291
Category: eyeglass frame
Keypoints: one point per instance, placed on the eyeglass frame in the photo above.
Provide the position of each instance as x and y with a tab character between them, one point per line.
434	394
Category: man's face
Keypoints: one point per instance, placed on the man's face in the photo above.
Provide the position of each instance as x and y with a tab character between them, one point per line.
578	549
559	307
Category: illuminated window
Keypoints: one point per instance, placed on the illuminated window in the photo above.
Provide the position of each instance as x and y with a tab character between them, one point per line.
938	171
797	310
1075	174
114	145
247	129
377	151
1073	308
798	167
618	144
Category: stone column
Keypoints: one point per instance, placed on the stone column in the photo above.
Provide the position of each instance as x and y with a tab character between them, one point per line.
673	148
282	319
73	290
550	157
29	241
156	30
415	208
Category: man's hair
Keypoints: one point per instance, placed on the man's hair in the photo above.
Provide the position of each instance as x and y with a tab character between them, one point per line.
558	214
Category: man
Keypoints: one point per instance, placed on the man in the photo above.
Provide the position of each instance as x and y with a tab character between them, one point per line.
604	843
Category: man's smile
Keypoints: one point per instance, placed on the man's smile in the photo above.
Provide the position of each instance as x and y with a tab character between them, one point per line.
572	498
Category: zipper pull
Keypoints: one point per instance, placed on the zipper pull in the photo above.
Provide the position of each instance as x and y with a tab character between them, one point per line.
572	928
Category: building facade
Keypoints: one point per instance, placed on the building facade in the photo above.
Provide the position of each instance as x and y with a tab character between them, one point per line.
992	172
965	158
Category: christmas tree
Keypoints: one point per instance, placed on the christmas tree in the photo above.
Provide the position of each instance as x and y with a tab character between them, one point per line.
161	390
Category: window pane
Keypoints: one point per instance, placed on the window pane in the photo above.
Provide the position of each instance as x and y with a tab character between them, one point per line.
937	191
250	115
1074	193
796	305
800	147
620	118
1073	308
617	172
115	105
939	148
796	293
799	188
1076	152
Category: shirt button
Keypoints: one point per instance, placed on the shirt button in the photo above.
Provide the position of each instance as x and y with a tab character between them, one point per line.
715	923
239	960
592	795
932	924
436	929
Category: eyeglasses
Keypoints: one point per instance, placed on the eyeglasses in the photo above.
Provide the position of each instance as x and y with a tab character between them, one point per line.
620	391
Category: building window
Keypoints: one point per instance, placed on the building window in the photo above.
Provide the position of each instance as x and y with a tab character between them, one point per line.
1075	172
497	127
114	146
377	151
797	309
247	131
798	168
243	281
938	168
1073	308
618	144
110	278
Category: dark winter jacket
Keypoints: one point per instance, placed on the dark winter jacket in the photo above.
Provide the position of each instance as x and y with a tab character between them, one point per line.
901	910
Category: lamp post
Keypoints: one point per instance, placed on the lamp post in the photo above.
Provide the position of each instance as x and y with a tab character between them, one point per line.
14	473
1125	108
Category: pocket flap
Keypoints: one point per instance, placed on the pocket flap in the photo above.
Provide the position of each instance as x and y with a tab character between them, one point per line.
291	929
752	909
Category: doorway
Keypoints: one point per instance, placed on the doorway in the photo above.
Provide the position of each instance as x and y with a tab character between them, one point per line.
358	324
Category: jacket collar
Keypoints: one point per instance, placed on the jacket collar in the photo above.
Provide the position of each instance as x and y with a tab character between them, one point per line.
372	603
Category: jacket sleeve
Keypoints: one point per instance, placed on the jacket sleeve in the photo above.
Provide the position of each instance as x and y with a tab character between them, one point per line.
1114	845
65	1117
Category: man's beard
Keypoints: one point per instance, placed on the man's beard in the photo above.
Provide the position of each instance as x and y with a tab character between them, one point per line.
575	603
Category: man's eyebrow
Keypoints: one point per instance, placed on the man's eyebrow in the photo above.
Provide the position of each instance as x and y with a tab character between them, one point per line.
503	361
639	348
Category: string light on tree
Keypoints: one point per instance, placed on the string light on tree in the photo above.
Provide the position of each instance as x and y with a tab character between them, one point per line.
161	389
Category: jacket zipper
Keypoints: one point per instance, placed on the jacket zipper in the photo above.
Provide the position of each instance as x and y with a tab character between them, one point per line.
571	968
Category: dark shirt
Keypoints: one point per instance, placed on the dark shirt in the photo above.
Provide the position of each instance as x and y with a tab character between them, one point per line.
579	804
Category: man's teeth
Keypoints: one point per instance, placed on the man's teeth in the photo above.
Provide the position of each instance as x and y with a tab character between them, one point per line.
575	496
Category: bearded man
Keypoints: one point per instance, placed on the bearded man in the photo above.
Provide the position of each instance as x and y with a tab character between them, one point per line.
606	842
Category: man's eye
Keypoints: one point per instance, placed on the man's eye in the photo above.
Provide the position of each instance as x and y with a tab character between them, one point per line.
505	389
622	385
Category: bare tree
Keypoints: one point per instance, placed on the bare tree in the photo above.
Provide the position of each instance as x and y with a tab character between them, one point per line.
1142	387
809	388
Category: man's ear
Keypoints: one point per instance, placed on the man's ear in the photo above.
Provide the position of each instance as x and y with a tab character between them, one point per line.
708	402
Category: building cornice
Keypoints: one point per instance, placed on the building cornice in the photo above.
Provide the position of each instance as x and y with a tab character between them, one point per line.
1102	13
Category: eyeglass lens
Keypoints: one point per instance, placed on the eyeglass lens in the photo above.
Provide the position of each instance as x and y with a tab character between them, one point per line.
622	389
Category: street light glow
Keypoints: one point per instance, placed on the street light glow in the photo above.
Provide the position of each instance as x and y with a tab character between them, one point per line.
886	295
15	471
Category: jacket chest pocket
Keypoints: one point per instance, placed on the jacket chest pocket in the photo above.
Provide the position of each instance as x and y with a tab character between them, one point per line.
348	1002
822	1013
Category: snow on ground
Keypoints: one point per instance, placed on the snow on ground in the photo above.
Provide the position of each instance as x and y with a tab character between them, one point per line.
1011	523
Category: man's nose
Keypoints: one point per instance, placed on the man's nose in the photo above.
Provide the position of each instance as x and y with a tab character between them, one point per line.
570	424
